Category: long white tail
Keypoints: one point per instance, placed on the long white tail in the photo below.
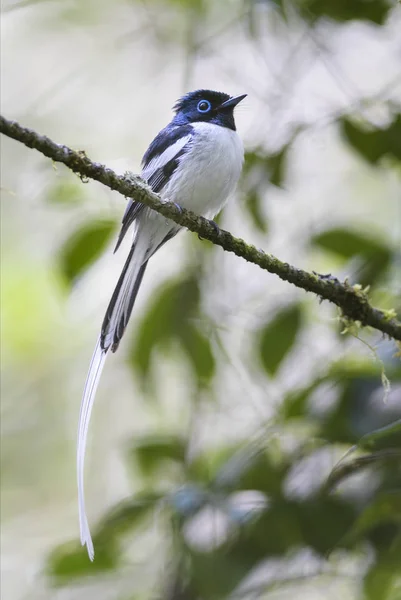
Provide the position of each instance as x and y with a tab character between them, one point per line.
114	324
92	381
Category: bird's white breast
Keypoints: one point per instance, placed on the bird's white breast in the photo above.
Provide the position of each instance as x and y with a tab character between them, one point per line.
208	173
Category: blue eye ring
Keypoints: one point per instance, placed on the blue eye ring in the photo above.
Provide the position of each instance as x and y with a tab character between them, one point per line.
204	106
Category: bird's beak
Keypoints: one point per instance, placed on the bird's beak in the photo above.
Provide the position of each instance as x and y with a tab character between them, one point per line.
232	102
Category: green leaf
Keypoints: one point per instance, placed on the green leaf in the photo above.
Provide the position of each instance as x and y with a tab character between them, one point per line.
295	402
348	243
385	509
66	192
83	248
273	533
373	145
199	352
70	561
170	318
253	206
376	255
192	5
124	517
261	168
345	10
278	337
278	165
156	328
262	473
380	580
385	437
151	452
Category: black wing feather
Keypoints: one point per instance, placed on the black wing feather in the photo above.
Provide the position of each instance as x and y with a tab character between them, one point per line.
160	177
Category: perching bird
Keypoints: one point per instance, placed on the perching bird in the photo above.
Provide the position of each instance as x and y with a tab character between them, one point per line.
194	162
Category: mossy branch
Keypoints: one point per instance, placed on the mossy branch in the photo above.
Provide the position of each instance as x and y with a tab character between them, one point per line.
352	301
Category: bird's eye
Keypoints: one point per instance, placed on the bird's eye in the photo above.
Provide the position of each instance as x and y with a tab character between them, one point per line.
204	106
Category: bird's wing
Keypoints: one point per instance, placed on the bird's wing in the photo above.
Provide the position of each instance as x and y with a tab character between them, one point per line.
158	165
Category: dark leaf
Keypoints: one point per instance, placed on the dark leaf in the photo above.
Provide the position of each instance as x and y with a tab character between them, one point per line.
385	437
375	255
337	425
151	452
278	164
261	168
84	247
295	402
384	509
285	525
253	206
170	317
124	517
199	352
262	473
278	337
375	144
344	10
156	327
380	580
70	561
215	574
348	243
324	521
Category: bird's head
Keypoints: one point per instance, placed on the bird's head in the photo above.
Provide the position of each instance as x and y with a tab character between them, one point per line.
207	106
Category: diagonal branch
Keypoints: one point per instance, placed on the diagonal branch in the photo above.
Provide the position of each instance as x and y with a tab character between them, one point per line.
353	303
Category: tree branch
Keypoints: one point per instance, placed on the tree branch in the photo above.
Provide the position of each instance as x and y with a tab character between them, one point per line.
352	301
344	470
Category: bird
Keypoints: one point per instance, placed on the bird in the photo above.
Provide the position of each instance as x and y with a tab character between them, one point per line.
194	162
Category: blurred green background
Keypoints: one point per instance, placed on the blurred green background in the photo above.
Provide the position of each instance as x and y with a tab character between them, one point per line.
213	467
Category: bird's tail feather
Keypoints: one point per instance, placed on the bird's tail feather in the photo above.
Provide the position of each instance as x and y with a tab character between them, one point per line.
123	298
115	321
92	381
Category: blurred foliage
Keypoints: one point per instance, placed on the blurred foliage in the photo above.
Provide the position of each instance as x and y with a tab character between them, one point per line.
373	257
282	516
324	474
259	172
170	318
83	247
274	495
65	192
374	144
278	337
343	10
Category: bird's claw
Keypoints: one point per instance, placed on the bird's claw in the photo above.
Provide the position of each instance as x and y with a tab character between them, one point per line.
215	227
326	276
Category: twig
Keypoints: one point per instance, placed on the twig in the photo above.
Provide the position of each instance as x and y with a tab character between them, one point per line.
344	470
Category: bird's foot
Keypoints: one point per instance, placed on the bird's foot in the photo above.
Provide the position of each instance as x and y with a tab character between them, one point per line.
326	276
215	227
